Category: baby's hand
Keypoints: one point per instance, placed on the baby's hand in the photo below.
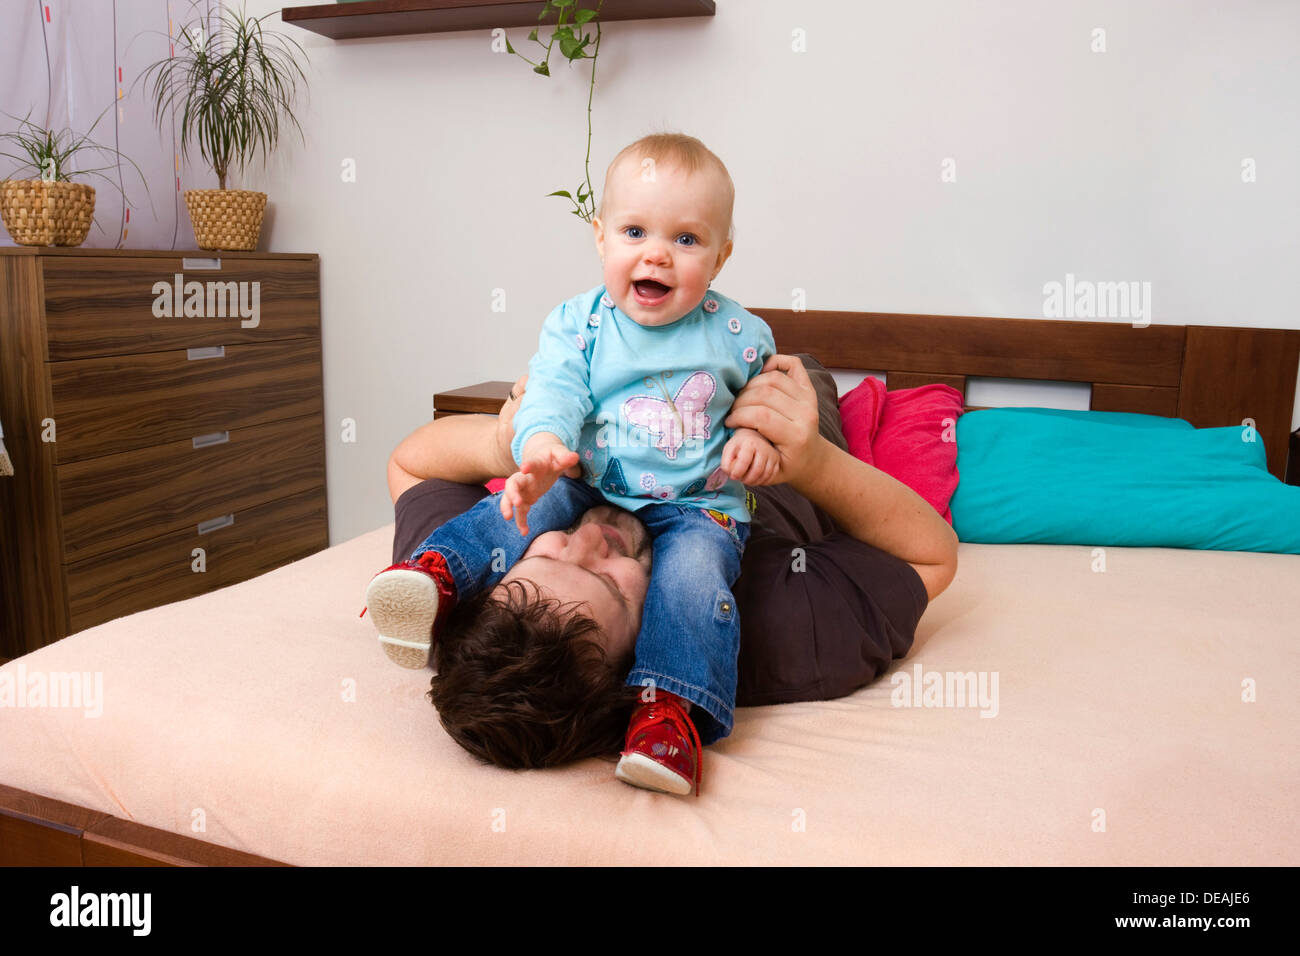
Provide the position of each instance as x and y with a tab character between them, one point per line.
750	458
545	460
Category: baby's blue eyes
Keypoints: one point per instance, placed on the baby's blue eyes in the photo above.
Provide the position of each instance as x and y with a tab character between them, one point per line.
687	235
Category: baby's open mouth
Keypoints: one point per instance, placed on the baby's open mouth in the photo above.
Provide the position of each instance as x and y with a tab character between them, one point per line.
650	289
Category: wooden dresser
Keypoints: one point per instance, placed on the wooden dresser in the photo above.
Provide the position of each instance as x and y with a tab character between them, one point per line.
156	456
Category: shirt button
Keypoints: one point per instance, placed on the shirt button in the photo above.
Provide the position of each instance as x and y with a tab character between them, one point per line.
607	302
733	324
710	305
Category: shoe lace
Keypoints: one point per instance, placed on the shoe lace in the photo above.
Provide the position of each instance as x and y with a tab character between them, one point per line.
666	709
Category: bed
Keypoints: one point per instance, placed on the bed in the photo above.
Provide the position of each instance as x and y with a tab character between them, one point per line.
1140	717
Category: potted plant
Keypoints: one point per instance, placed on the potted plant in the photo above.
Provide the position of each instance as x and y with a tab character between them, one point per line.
51	210
232	87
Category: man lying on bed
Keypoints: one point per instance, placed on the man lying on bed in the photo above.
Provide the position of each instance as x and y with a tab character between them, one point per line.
841	563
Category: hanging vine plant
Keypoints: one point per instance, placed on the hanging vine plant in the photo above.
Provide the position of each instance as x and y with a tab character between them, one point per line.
570	33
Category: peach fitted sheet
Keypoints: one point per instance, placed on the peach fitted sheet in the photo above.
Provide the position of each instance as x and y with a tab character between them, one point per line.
268	712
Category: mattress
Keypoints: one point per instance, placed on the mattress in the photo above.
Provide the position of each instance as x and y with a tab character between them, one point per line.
1060	706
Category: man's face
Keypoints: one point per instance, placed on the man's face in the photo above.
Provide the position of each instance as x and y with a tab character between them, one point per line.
670	226
603	562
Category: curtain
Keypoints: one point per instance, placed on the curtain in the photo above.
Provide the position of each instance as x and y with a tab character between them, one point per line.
65	62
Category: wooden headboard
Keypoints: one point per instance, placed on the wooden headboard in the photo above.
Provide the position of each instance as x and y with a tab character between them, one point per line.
1213	376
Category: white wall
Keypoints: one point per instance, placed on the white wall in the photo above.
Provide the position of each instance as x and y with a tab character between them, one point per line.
1115	166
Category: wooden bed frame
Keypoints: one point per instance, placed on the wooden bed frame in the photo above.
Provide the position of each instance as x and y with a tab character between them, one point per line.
1210	375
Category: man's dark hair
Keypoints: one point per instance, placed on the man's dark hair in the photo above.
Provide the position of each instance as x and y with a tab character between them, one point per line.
521	682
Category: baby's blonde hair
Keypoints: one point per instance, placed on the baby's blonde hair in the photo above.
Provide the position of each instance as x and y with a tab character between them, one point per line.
680	150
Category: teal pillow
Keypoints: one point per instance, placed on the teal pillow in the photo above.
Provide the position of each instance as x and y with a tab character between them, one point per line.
1130	419
1076	478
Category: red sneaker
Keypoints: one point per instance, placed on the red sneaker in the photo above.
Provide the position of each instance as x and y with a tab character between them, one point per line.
406	601
663	750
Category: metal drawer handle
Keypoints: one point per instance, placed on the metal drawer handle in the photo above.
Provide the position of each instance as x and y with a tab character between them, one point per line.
212	438
211	351
212	524
199	263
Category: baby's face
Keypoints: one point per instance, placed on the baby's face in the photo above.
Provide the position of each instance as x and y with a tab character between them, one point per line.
670	227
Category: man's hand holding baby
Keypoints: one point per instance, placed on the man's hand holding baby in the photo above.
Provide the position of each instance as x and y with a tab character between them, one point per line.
782	402
750	458
545	459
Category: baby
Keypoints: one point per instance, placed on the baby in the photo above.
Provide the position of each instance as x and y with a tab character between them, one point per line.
631	383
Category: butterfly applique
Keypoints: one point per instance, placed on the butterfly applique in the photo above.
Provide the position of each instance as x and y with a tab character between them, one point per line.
693	489
674	421
593	449
613	481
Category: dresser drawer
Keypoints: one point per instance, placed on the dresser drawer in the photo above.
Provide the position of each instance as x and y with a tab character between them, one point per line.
160	571
113	404
105	306
129	498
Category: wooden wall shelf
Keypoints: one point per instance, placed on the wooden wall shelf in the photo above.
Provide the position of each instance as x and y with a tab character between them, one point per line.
381	18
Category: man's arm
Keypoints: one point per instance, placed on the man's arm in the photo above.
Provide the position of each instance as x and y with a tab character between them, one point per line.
862	500
461	448
471	449
881	511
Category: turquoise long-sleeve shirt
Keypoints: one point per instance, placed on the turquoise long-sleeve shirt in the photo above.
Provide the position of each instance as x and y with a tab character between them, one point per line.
643	406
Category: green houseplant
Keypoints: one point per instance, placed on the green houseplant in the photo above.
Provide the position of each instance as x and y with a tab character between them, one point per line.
51	210
233	87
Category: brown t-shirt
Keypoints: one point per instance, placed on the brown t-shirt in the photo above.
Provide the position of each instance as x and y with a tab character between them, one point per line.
821	613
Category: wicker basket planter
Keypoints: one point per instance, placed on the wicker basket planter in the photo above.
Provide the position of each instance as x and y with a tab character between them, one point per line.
41	213
229	219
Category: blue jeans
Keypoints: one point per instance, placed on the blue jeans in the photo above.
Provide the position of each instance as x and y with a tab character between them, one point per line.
690	628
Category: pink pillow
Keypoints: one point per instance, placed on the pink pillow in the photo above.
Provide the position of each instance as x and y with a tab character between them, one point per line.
904	434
